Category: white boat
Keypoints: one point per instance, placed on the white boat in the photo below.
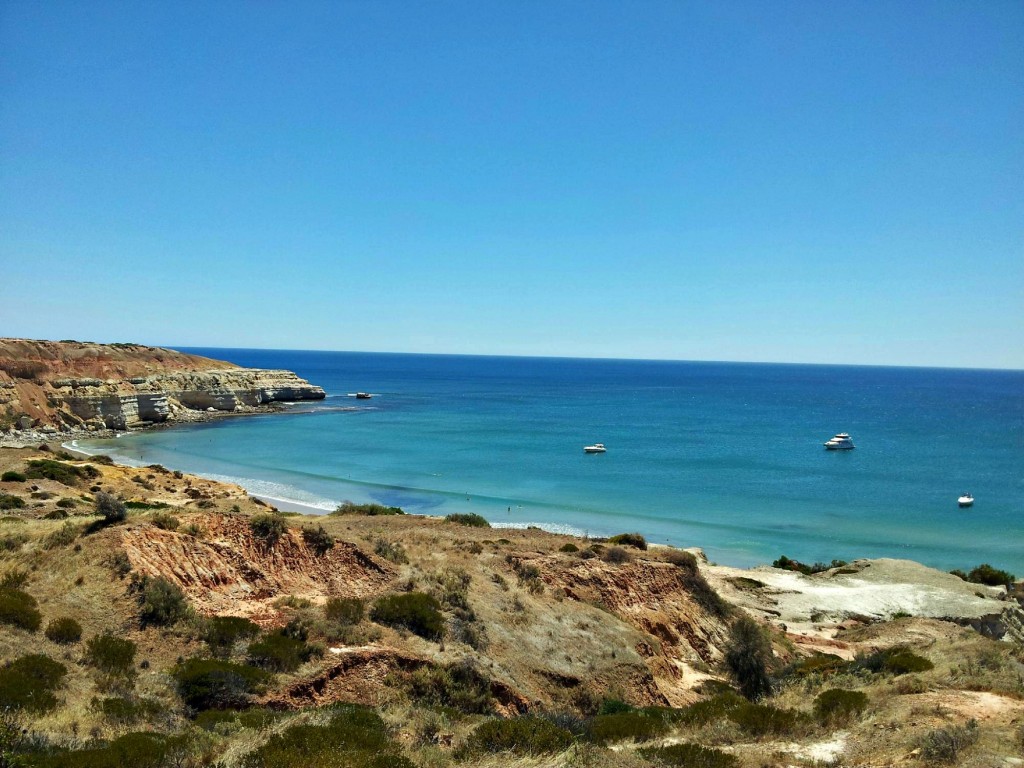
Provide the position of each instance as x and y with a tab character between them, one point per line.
363	395
966	500
840	442
595	448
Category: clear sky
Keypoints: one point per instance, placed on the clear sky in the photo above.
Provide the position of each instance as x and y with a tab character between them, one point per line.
778	181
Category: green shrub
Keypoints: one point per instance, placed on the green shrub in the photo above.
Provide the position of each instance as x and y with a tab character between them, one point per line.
759	720
630	540
415	611
795	565
277	652
67	503
145	505
698	587
18	609
12	542
110	654
635	725
14	579
138	750
354	737
256	718
9	501
894	661
161	602
690	756
986	574
709	710
317	539
823	664
526	735
111	508
62	537
351	508
11	476
164	521
65	474
472	519
344	610
568	547
461	686
614	707
222	632
28	683
944	745
216	684
748	656
616	555
267	528
838	705
64	631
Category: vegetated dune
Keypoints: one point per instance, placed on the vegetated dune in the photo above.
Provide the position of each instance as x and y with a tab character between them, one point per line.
530	623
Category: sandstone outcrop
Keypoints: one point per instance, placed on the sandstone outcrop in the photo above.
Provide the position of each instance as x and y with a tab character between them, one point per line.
69	386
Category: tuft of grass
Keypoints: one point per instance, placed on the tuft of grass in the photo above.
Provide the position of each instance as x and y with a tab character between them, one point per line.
526	735
164	521
630	540
944	745
689	756
838	705
62	537
697	585
392	551
568	547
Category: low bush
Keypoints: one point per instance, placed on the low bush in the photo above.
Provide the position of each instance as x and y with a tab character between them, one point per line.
344	610
14	579
62	537
221	633
256	718
161	602
138	750
944	745
28	683
354	737
267	528
111	508
616	555
392	551
11	476
838	705
12	542
58	471
632	725
164	521
127	710
18	609
415	611
216	684
471	519
63	631
568	547
894	661
689	756
526	735
351	508
759	720
824	664
67	503
630	540
709	710
460	686
993	577
9	501
112	655
795	565
317	539
278	652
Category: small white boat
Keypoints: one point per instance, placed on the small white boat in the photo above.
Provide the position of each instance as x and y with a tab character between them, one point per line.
363	395
595	448
966	500
840	442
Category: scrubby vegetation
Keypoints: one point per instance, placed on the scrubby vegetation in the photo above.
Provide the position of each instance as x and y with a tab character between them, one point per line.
217	684
11	476
28	684
460	686
697	585
161	603
471	519
18	609
165	521
65	474
415	611
317	539
893	661
63	631
795	565
110	654
527	735
629	540
944	745
986	574
267	528
690	756
837	705
221	633
749	658
9	501
351	508
111	508
282	651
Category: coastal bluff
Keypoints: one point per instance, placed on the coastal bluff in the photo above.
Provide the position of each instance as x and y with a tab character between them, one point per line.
74	387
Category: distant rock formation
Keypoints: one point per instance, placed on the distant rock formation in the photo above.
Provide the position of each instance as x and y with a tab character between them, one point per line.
71	386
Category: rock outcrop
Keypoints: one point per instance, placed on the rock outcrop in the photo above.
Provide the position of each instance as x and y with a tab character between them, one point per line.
76	386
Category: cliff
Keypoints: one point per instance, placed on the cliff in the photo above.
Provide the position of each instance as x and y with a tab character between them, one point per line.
71	386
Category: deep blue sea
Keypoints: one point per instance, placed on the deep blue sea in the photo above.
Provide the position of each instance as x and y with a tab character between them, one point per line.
725	456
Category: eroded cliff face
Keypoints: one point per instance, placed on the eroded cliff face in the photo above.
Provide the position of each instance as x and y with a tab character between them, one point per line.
63	386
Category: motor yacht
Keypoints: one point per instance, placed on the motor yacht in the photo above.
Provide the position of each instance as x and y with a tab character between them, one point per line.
595	448
840	442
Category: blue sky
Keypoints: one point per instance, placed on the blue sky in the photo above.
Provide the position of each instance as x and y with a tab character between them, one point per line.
779	181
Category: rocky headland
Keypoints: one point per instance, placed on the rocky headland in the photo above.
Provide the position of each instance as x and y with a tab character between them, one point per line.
76	388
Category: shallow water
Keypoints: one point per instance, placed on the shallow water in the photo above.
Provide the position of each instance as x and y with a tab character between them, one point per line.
726	456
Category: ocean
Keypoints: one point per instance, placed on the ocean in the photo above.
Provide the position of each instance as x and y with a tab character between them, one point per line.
724	456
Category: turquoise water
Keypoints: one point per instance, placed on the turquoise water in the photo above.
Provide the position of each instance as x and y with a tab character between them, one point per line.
725	456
